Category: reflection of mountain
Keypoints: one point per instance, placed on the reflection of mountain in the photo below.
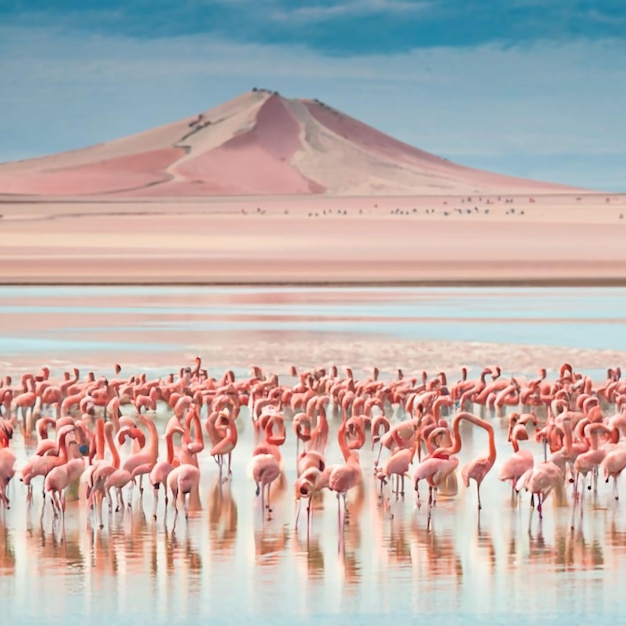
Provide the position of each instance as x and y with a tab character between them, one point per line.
257	143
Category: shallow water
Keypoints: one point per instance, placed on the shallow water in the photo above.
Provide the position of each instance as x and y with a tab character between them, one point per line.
228	564
79	319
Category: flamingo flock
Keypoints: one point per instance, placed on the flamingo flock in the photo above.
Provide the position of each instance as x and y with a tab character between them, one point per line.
101	435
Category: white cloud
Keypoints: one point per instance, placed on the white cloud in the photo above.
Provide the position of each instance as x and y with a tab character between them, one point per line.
351	8
66	90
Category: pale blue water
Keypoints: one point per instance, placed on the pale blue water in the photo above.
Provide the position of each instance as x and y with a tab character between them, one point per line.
586	318
230	566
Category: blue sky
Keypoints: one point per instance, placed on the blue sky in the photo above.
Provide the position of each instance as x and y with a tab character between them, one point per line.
525	87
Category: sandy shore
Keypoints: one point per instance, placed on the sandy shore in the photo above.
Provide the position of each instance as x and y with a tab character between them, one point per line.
361	354
558	239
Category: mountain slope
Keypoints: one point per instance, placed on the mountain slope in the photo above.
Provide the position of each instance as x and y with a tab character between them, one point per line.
257	143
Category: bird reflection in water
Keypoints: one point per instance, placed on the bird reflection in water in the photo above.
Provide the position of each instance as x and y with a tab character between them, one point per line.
310	551
222	514
7	552
436	553
57	549
390	529
350	539
187	553
398	544
270	543
573	551
486	545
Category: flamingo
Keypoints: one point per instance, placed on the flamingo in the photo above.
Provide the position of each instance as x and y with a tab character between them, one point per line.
311	481
7	463
227	443
60	477
143	461
541	480
521	460
159	473
265	470
478	468
612	467
344	477
181	481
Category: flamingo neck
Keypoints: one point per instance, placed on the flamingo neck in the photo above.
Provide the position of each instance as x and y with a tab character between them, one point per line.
169	440
113	449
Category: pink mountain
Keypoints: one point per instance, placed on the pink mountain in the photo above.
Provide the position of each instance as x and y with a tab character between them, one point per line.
256	144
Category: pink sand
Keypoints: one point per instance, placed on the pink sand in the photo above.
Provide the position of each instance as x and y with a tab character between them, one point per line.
316	239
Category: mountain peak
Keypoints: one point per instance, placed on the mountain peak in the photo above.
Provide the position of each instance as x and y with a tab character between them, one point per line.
258	143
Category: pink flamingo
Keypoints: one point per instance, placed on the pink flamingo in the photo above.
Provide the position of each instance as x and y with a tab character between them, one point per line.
590	460
344	477
118	478
159	473
521	460
319	434
479	467
265	470
182	480
303	425
441	464
42	464
143	461
60	477
397	464
227	443
612	467
541	480
311	481
7	463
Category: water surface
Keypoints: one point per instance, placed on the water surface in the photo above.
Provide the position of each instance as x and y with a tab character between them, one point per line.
228	564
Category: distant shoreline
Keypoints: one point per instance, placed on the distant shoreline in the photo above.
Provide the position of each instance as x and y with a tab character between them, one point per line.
324	284
566	240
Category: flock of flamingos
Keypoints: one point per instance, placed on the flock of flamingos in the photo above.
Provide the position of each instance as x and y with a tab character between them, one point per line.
100	434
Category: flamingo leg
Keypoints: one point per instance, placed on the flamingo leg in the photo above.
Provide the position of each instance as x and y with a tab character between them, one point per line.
262	498
100	498
298	507
186	499
155	492
121	497
380	450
